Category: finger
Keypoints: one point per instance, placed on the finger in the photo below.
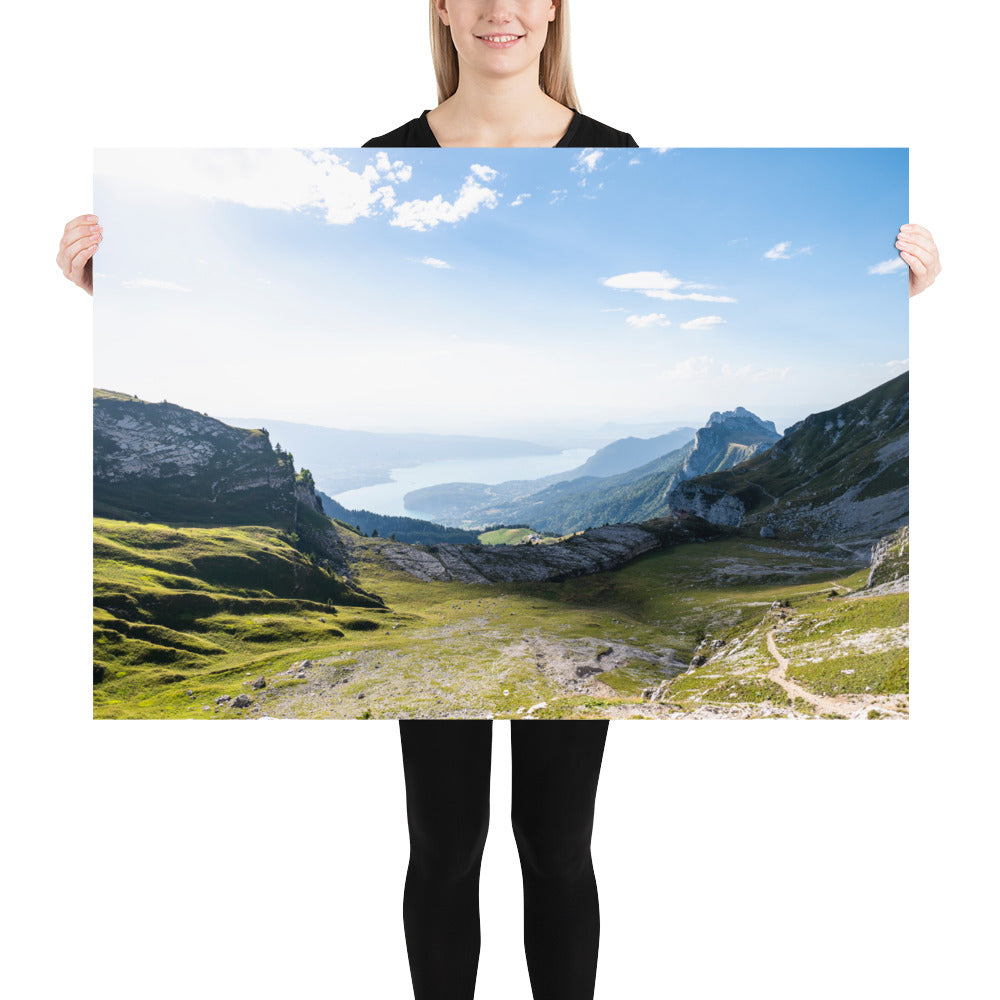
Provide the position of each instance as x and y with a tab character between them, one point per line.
912	227
926	257
908	240
70	256
69	252
79	262
916	264
70	236
81	220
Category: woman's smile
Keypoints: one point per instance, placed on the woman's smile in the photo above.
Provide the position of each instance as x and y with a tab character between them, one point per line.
499	41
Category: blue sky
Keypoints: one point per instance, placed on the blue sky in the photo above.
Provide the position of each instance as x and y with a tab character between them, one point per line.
500	291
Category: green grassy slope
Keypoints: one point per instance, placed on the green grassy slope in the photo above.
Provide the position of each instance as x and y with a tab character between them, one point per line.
178	608
206	610
825	453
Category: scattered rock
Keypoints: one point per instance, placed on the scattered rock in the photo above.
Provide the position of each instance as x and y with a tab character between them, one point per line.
241	701
259	683
222	698
657	693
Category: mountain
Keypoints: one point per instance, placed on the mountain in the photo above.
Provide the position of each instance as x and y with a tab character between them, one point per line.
728	439
630	453
164	463
402	529
346	459
839	474
160	460
636	495
480	503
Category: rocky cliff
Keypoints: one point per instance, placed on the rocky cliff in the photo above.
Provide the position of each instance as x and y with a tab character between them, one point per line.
890	564
162	462
728	439
593	551
839	474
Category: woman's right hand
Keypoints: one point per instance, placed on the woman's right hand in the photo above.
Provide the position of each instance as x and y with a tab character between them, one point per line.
79	242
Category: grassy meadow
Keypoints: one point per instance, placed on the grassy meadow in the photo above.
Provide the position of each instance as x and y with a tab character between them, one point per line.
186	616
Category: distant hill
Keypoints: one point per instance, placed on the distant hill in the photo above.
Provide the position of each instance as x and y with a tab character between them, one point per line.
839	474
402	529
630	453
639	494
480	503
343	460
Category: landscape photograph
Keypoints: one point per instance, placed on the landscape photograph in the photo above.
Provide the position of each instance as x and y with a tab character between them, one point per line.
501	433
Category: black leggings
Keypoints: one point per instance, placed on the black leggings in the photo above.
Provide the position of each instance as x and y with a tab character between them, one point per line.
555	767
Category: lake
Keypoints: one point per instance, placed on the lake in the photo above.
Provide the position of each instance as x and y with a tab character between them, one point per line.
387	498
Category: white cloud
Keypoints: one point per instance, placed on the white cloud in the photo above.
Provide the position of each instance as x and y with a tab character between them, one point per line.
435	262
634	162
643	280
519	200
706	368
587	160
661	285
558	196
483	172
702	323
285	179
750	374
691	297
397	170
650	319
895	367
167	286
698	367
888	266
662	149
784	251
422	214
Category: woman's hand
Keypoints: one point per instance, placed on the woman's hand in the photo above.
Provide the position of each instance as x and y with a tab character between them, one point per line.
79	242
916	246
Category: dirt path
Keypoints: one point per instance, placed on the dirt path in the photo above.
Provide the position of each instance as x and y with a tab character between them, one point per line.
779	675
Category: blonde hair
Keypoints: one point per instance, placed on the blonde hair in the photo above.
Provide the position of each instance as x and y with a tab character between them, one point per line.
555	74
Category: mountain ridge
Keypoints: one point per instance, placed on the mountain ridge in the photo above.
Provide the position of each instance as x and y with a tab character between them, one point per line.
638	494
840	473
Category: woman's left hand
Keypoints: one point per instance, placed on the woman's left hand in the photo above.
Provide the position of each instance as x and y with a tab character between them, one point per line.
916	246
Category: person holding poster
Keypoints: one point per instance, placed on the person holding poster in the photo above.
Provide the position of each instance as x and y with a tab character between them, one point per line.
504	80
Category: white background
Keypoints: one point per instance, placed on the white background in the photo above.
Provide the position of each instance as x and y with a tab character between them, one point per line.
157	860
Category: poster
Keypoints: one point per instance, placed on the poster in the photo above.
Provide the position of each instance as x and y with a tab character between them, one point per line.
506	433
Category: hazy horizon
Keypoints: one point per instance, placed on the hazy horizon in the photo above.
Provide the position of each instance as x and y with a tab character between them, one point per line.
534	294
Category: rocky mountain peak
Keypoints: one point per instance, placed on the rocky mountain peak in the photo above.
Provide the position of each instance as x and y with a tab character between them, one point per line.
742	417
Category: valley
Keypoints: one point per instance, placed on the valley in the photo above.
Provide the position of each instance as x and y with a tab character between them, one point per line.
775	587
